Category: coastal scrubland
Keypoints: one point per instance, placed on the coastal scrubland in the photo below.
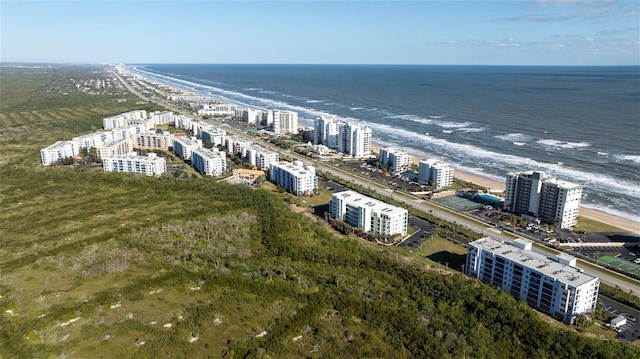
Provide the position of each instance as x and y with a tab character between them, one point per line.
111	265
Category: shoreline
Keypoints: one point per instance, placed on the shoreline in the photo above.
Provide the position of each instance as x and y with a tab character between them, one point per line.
484	181
498	187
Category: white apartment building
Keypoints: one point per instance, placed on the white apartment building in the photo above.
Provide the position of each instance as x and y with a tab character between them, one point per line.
161	117
551	200
123	119
153	141
285	122
182	122
58	151
237	145
398	161
216	109
91	140
150	165
294	177
326	131
368	214
184	146
129	131
439	173
552	285
209	162
213	135
358	140
260	157
115	148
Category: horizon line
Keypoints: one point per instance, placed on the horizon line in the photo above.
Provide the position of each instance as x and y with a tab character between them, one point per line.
2	63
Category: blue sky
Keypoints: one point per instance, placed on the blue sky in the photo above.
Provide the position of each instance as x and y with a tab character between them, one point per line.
549	32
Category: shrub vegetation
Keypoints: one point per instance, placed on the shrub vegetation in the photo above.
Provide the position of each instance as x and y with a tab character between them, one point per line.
97	264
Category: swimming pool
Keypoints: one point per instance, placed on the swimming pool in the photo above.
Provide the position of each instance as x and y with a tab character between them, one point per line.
489	198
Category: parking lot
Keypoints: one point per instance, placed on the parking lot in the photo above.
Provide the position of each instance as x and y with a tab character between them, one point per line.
631	330
417	239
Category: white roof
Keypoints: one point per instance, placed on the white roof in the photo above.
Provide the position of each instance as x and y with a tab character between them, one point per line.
359	200
548	266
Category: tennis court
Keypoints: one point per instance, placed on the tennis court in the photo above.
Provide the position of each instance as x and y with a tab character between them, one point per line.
459	203
621	264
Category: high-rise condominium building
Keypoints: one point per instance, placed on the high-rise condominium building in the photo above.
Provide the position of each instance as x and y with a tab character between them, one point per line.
551	200
552	285
358	140
285	122
398	161
439	173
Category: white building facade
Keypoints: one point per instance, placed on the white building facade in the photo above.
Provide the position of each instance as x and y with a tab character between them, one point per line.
58	151
552	285
398	161
368	214
154	141
439	173
285	122
115	148
358	140
150	165
294	177
184	146
124	119
551	200
209	162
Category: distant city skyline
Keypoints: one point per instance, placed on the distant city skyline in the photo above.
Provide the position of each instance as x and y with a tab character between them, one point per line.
544	32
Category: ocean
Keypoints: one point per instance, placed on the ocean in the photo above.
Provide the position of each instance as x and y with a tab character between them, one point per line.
581	124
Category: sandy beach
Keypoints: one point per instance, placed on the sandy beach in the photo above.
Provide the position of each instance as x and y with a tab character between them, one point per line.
498	186
622	223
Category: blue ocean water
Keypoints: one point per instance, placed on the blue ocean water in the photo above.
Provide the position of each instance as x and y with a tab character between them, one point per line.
581	124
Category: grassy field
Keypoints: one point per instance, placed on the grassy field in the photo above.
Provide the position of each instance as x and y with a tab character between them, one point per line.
109	265
591	225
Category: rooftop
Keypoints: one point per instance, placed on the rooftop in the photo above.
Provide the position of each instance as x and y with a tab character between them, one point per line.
548	266
375	205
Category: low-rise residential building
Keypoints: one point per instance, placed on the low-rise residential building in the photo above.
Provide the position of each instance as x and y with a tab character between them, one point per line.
93	140
115	148
184	146
552	285
260	157
161	117
154	141
294	177
368	214
129	131
249	176
150	165
58	151
209	162
123	119
213	135
440	174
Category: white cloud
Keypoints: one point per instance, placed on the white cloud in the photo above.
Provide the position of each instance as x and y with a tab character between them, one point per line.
553	10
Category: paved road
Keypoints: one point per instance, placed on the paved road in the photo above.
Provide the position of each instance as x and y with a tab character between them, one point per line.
426	207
